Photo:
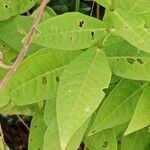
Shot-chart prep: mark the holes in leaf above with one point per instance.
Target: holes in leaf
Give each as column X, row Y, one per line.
column 44, row 80
column 130, row 60
column 140, row 61
column 57, row 79
column 6, row 6
column 92, row 35
column 13, row 59
column 81, row 24
column 105, row 90
column 105, row 144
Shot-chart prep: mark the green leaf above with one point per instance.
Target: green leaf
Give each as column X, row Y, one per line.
column 132, row 29
column 118, row 107
column 14, row 30
column 8, row 56
column 141, row 115
column 80, row 91
column 37, row 131
column 51, row 138
column 126, row 60
column 136, row 141
column 102, row 141
column 11, row 8
column 70, row 31
column 129, row 6
column 37, row 77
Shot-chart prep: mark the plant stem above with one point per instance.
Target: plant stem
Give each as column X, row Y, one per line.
column 26, row 45
column 77, row 7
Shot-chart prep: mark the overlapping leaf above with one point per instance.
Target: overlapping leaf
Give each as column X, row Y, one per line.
column 11, row 8
column 37, row 78
column 132, row 29
column 125, row 18
column 70, row 31
column 118, row 107
column 80, row 91
column 37, row 131
column 51, row 138
column 141, row 115
column 126, row 60
column 136, row 141
column 102, row 141
column 8, row 56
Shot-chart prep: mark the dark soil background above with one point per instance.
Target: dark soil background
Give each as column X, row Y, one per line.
column 14, row 130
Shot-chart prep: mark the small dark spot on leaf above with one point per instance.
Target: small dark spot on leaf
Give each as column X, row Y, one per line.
column 6, row 6
column 30, row 139
column 92, row 35
column 52, row 119
column 130, row 60
column 140, row 61
column 44, row 80
column 35, row 126
column 57, row 78
column 81, row 23
column 111, row 9
column 105, row 90
column 93, row 131
column 119, row 142
column 13, row 59
column 105, row 144
column 38, row 149
column 3, row 46
column 117, row 59
column 126, row 27
column 71, row 38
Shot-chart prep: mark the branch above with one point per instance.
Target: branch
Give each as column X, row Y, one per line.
column 26, row 45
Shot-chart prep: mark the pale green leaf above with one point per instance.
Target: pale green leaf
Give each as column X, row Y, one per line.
column 105, row 140
column 8, row 56
column 136, row 7
column 136, row 141
column 37, row 77
column 118, row 107
column 51, row 138
column 141, row 115
column 126, row 60
column 80, row 91
column 37, row 132
column 70, row 31
column 14, row 30
column 132, row 29
column 11, row 8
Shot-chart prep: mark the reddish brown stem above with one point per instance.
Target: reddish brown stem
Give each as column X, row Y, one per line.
column 26, row 45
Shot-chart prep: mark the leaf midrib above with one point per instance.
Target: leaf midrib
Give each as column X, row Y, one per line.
column 98, row 126
column 47, row 72
column 84, row 83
